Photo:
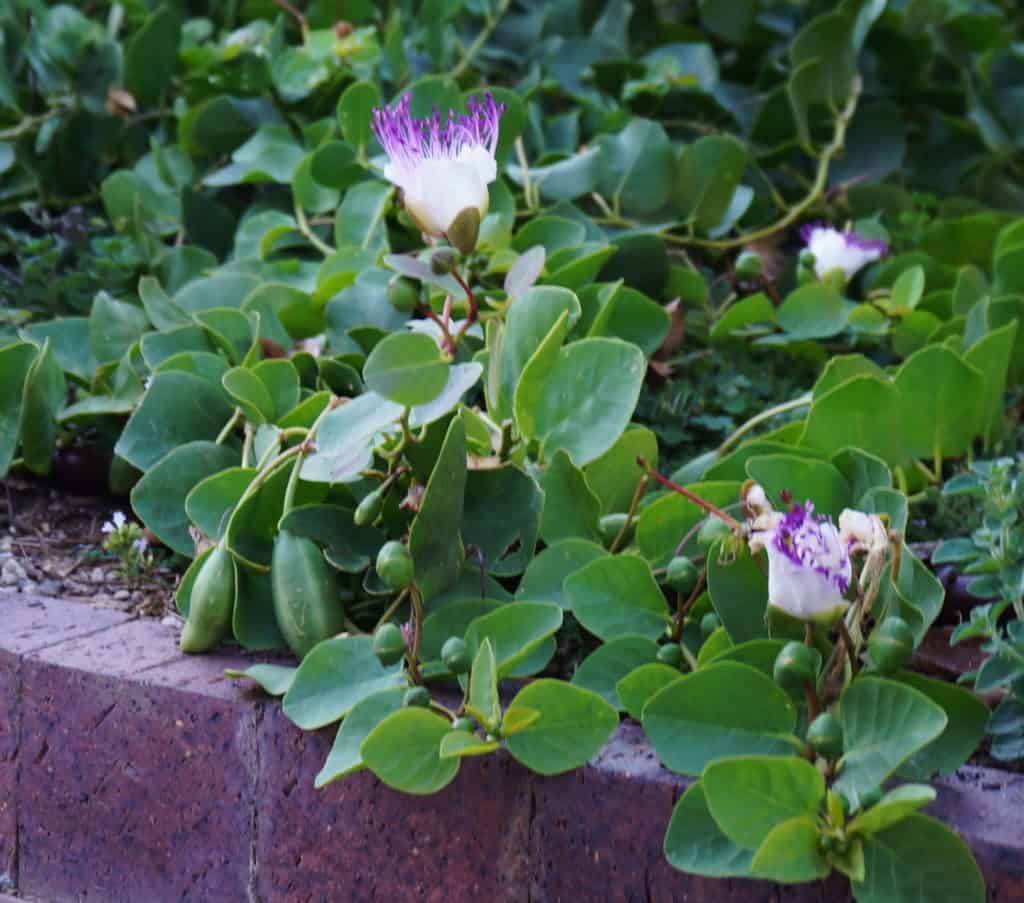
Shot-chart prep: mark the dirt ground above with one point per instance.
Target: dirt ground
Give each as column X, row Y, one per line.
column 51, row 543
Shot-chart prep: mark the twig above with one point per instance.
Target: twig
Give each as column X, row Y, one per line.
column 691, row 496
column 478, row 42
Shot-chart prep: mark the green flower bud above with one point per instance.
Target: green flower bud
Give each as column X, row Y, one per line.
column 682, row 575
column 796, row 666
column 455, row 655
column 825, row 736
column 714, row 528
column 749, row 265
column 442, row 262
column 416, row 696
column 709, row 624
column 404, row 294
column 670, row 654
column 465, row 229
column 464, row 724
column 368, row 510
column 890, row 645
column 610, row 526
column 388, row 643
column 394, row 565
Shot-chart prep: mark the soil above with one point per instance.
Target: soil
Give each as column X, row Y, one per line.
column 51, row 543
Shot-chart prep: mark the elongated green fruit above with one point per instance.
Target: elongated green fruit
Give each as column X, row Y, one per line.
column 305, row 590
column 211, row 604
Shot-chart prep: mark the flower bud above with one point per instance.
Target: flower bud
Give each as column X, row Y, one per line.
column 611, row 525
column 465, row 228
column 712, row 529
column 388, row 643
column 796, row 666
column 455, row 655
column 825, row 736
column 394, row 565
column 464, row 724
column 403, row 293
column 670, row 654
column 890, row 645
column 749, row 265
column 368, row 510
column 682, row 575
column 442, row 262
column 709, row 624
column 416, row 696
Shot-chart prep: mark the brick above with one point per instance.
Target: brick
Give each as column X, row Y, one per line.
column 34, row 622
column 10, row 728
column 358, row 840
column 131, row 790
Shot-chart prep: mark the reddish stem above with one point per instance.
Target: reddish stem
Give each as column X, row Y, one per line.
column 693, row 497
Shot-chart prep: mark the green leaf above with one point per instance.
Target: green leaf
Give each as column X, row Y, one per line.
column 813, row 311
column 616, row 596
column 664, row 523
column 514, row 631
column 404, row 751
column 345, row 757
column 991, row 356
column 336, row 675
column 884, row 723
column 919, row 859
column 613, row 477
column 573, row 726
column 636, row 167
column 939, row 408
column 790, row 853
column 275, row 679
column 114, row 326
column 641, row 684
column 407, row 368
column 744, row 312
column 967, row 717
column 249, row 393
column 253, row 621
column 211, row 500
column 359, row 221
column 588, row 398
column 44, row 396
column 346, row 438
column 177, row 408
column 805, row 480
column 151, row 55
column 696, row 844
column 501, row 518
column 355, row 112
column 739, row 592
column 545, row 576
column 69, row 338
column 517, row 719
column 896, row 805
column 483, row 701
column 350, row 548
column 528, row 322
column 726, row 709
column 159, row 497
column 750, row 795
column 707, row 175
column 457, row 744
column 632, row 316
column 570, row 507
column 434, row 541
column 602, row 670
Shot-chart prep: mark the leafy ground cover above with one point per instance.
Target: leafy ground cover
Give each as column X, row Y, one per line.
column 441, row 339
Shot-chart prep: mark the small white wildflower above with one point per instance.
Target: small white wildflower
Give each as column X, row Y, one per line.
column 844, row 251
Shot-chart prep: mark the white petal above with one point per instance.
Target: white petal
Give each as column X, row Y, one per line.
column 441, row 190
column 800, row 591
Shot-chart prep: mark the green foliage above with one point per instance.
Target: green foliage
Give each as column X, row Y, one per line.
column 207, row 274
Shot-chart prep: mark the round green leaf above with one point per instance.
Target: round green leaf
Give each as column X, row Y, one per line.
column 616, row 596
column 404, row 751
column 406, row 368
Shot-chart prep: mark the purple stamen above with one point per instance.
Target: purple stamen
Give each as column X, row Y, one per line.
column 851, row 238
column 800, row 538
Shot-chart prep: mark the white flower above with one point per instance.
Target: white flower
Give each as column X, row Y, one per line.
column 119, row 521
column 140, row 545
column 809, row 566
column 844, row 251
column 444, row 167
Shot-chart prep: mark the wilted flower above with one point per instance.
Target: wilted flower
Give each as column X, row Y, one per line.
column 118, row 521
column 844, row 251
column 809, row 566
column 443, row 166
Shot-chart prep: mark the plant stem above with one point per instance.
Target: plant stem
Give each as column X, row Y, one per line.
column 391, row 609
column 691, row 496
column 229, row 427
column 801, row 402
column 638, row 494
column 297, row 16
column 525, row 167
column 413, row 656
column 490, row 23
column 307, row 232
